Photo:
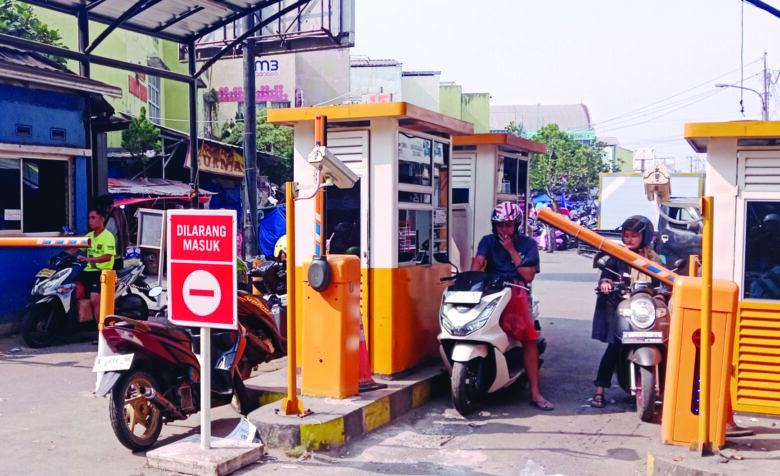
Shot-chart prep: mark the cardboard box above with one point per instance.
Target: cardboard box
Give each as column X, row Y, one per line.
column 84, row 307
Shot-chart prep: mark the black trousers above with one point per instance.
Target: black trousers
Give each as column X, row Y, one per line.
column 607, row 366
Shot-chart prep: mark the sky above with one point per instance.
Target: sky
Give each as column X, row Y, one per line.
column 643, row 68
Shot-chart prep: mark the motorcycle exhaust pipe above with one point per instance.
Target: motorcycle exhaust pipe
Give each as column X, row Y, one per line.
column 162, row 403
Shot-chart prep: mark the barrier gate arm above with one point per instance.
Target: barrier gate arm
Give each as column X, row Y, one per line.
column 608, row 246
column 53, row 242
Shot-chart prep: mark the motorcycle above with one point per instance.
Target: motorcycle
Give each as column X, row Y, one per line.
column 272, row 285
column 480, row 357
column 58, row 302
column 643, row 328
column 153, row 374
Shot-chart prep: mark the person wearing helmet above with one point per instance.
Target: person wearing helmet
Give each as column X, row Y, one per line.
column 637, row 234
column 507, row 252
column 280, row 249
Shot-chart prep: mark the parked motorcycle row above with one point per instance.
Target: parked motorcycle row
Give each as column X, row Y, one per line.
column 580, row 213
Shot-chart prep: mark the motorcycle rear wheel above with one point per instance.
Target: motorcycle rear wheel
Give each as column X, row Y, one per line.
column 130, row 411
column 132, row 306
column 42, row 324
column 465, row 386
column 645, row 393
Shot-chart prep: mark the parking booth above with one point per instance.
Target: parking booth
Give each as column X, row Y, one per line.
column 743, row 176
column 496, row 165
column 396, row 218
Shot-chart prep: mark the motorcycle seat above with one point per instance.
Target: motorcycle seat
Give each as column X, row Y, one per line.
column 174, row 332
column 120, row 273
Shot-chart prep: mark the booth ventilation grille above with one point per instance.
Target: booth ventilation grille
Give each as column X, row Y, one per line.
column 762, row 174
column 757, row 358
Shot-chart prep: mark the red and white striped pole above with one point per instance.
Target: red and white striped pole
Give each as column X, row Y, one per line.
column 53, row 242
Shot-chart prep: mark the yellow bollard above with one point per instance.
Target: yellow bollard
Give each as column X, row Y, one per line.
column 705, row 442
column 290, row 404
column 107, row 288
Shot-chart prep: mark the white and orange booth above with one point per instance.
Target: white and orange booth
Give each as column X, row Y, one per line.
column 486, row 169
column 396, row 218
column 743, row 176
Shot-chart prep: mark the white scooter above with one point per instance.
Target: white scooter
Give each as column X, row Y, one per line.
column 478, row 354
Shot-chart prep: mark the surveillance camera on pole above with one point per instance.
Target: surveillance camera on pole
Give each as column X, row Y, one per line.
column 332, row 170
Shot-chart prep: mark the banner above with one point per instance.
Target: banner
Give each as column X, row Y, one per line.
column 218, row 160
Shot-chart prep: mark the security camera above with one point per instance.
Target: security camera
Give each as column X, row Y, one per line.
column 657, row 183
column 333, row 170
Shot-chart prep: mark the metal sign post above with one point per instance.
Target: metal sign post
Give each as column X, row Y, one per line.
column 202, row 285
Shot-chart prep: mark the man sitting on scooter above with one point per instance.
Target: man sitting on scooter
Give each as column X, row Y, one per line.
column 100, row 256
column 507, row 252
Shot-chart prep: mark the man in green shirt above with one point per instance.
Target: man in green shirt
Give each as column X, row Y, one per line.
column 100, row 256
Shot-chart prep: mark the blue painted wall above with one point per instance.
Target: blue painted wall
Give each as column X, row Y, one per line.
column 41, row 111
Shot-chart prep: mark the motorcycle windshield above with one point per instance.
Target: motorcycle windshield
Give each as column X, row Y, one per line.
column 473, row 281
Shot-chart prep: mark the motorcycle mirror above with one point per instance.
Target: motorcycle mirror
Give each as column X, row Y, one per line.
column 600, row 260
column 155, row 291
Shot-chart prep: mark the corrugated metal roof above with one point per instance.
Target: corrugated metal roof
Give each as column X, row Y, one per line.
column 27, row 67
column 150, row 187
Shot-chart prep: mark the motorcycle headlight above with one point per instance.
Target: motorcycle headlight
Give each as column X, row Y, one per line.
column 642, row 312
column 51, row 284
column 473, row 325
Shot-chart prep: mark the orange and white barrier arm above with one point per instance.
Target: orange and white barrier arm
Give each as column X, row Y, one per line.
column 608, row 246
column 79, row 241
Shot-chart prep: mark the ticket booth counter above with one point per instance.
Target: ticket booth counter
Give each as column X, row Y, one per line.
column 486, row 169
column 396, row 218
column 743, row 176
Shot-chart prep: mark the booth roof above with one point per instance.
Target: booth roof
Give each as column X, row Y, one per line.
column 408, row 115
column 508, row 142
column 698, row 134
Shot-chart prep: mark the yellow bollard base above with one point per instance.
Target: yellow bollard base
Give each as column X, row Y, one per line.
column 291, row 406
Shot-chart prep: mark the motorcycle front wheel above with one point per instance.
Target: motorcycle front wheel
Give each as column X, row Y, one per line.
column 135, row 420
column 645, row 392
column 42, row 324
column 465, row 386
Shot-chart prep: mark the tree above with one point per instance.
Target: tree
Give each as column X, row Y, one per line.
column 18, row 19
column 270, row 138
column 580, row 163
column 141, row 136
column 516, row 129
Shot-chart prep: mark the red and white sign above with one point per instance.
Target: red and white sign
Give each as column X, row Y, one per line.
column 202, row 268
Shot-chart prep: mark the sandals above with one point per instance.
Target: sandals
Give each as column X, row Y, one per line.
column 598, row 401
column 543, row 405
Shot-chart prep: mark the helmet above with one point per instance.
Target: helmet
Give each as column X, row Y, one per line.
column 640, row 224
column 280, row 247
column 771, row 221
column 506, row 212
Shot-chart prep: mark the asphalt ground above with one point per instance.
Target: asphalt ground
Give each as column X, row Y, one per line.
column 51, row 423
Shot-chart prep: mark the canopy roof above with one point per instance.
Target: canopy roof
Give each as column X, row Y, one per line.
column 175, row 20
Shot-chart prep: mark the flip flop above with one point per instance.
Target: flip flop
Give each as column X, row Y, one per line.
column 543, row 405
column 598, row 401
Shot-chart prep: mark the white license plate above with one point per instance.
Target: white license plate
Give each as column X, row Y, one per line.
column 643, row 337
column 112, row 363
column 463, row 297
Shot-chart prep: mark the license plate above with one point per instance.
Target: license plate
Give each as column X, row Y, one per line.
column 463, row 297
column 112, row 363
column 643, row 337
column 46, row 273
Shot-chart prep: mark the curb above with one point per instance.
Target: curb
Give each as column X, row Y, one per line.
column 334, row 422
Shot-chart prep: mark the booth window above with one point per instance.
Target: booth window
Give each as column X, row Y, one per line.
column 509, row 179
column 423, row 199
column 414, row 160
column 34, row 195
column 762, row 250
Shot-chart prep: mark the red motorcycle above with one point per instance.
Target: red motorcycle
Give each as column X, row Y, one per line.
column 153, row 374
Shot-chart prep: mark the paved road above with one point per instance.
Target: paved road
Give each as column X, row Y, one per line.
column 50, row 423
